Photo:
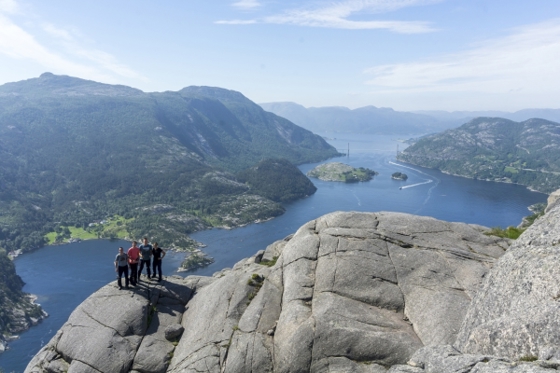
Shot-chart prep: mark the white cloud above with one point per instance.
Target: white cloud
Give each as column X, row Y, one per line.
column 312, row 19
column 71, row 46
column 63, row 53
column 57, row 32
column 339, row 15
column 237, row 22
column 17, row 43
column 8, row 7
column 108, row 62
column 526, row 61
column 247, row 4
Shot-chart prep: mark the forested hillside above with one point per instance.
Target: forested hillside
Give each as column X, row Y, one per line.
column 278, row 180
column 17, row 312
column 75, row 152
column 527, row 153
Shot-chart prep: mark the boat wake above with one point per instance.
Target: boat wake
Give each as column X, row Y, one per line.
column 417, row 184
column 357, row 198
column 428, row 181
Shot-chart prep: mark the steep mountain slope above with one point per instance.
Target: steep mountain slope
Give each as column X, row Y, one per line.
column 75, row 151
column 498, row 149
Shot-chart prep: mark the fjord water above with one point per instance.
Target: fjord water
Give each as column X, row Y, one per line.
column 63, row 276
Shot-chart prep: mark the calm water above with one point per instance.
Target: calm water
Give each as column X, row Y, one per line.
column 63, row 276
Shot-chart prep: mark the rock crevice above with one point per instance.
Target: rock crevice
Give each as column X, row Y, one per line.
column 349, row 292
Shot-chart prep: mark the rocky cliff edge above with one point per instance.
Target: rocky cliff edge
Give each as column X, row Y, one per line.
column 348, row 292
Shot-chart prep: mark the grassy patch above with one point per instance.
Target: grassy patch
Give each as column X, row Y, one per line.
column 511, row 170
column 531, row 218
column 269, row 263
column 257, row 282
column 528, row 358
column 51, row 238
column 510, row 232
column 152, row 311
column 114, row 227
column 81, row 233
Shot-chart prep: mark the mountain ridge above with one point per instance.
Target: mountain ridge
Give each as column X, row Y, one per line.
column 75, row 153
column 371, row 119
column 68, row 146
column 497, row 149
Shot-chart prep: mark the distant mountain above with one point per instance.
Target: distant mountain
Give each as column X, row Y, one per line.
column 460, row 117
column 367, row 119
column 498, row 149
column 387, row 121
column 73, row 151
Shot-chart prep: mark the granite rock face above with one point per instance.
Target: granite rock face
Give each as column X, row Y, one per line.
column 517, row 312
column 117, row 331
column 513, row 322
column 349, row 292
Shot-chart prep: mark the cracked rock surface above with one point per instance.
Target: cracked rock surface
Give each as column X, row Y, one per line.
column 517, row 312
column 349, row 292
column 117, row 331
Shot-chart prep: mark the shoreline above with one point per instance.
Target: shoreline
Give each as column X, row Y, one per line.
column 472, row 178
column 205, row 259
column 196, row 245
column 30, row 322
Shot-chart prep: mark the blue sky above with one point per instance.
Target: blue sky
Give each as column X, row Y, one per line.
column 404, row 54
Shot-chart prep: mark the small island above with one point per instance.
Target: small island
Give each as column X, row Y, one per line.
column 399, row 176
column 336, row 171
column 196, row 259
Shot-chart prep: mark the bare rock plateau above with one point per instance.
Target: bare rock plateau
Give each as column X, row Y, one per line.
column 348, row 292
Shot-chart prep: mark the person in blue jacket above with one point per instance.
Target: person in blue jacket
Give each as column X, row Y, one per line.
column 146, row 251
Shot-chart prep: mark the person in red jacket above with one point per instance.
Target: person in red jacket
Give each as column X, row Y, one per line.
column 133, row 257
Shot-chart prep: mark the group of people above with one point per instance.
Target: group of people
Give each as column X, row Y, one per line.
column 126, row 263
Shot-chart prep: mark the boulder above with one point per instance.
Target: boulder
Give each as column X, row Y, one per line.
column 516, row 312
column 349, row 292
column 117, row 330
column 173, row 332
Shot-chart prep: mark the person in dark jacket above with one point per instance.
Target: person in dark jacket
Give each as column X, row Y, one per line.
column 158, row 254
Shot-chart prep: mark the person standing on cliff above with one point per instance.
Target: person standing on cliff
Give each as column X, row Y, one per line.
column 121, row 267
column 159, row 254
column 133, row 257
column 146, row 251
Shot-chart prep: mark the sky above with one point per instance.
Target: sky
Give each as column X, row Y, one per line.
column 404, row 54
